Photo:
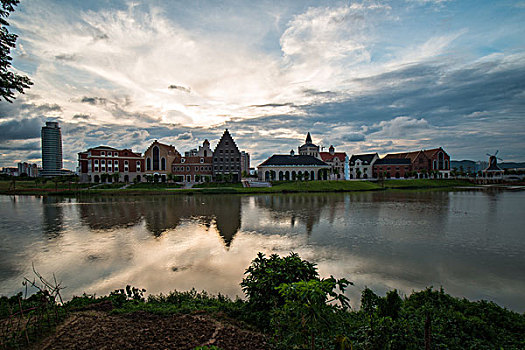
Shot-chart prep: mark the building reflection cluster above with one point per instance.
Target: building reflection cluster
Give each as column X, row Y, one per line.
column 162, row 213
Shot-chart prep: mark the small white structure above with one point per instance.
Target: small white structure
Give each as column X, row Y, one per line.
column 361, row 165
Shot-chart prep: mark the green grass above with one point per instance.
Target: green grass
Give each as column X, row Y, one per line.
column 425, row 183
column 29, row 187
column 218, row 185
column 153, row 186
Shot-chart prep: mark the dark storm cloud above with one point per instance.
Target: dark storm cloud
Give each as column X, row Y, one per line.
column 353, row 137
column 289, row 104
column 94, row 100
column 19, row 146
column 65, row 57
column 81, row 117
column 180, row 88
column 185, row 136
column 22, row 108
column 20, row 129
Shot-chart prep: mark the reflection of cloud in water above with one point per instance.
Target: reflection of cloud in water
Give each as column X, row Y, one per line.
column 403, row 240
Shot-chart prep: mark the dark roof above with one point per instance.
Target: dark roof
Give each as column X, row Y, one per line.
column 362, row 157
column 393, row 161
column 493, row 165
column 286, row 159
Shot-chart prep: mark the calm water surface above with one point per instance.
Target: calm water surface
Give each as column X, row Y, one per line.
column 471, row 243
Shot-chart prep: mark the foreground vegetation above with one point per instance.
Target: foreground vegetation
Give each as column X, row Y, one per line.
column 296, row 309
column 67, row 187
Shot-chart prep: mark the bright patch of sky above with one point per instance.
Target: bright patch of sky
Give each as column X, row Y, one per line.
column 365, row 76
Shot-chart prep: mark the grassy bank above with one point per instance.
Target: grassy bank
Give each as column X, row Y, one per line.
column 28, row 187
column 287, row 304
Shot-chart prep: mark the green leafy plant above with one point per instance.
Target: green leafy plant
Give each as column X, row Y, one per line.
column 310, row 315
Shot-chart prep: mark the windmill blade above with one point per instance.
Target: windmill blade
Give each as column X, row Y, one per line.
column 501, row 160
column 490, row 155
column 495, row 154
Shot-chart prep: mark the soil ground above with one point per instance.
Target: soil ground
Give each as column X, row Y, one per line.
column 141, row 330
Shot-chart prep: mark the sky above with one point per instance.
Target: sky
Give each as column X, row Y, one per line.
column 363, row 76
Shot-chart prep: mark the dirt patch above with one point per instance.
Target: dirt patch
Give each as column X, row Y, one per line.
column 141, row 330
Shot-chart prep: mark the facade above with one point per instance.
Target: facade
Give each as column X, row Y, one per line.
column 104, row 163
column 392, row 168
column 195, row 166
column 30, row 170
column 226, row 160
column 284, row 167
column 425, row 162
column 336, row 160
column 159, row 159
column 245, row 163
column 51, row 150
column 309, row 148
column 361, row 165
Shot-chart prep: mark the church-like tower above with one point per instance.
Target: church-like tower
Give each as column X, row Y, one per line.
column 309, row 148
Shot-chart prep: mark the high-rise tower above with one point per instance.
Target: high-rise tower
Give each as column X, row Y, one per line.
column 51, row 150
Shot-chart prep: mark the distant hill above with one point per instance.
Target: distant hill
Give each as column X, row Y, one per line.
column 470, row 165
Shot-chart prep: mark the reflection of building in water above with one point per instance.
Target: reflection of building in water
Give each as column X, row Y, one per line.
column 53, row 216
column 162, row 213
column 105, row 213
column 302, row 208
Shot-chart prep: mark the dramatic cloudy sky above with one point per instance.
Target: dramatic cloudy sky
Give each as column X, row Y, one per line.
column 365, row 76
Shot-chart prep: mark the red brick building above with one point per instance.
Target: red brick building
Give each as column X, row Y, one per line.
column 395, row 168
column 103, row 163
column 336, row 160
column 193, row 169
column 426, row 162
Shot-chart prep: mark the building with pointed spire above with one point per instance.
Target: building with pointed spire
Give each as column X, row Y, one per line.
column 226, row 159
column 309, row 148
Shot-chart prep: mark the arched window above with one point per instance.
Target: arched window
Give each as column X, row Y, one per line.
column 148, row 164
column 312, row 175
column 156, row 156
column 163, row 164
column 205, row 153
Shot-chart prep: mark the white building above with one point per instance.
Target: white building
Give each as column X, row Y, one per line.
column 360, row 165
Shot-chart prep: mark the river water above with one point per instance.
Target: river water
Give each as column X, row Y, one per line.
column 470, row 243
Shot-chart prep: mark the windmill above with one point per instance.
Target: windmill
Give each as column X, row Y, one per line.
column 493, row 160
column 493, row 170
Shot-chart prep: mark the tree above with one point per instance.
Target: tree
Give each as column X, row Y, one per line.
column 9, row 81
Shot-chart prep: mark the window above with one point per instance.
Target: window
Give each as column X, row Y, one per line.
column 226, row 142
column 126, row 165
column 156, row 158
column 148, row 164
column 103, row 153
column 196, row 169
column 115, row 163
column 96, row 161
column 222, row 159
column 187, row 168
column 115, row 154
column 202, row 160
column 183, row 160
column 163, row 164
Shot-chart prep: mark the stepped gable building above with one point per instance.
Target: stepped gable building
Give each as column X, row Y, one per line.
column 108, row 160
column 392, row 168
column 336, row 160
column 361, row 165
column 159, row 159
column 195, row 166
column 426, row 161
column 226, row 159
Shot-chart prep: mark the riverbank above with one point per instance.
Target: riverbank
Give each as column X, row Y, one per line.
column 288, row 306
column 29, row 188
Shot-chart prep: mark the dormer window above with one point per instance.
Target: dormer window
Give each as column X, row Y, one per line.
column 183, row 160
